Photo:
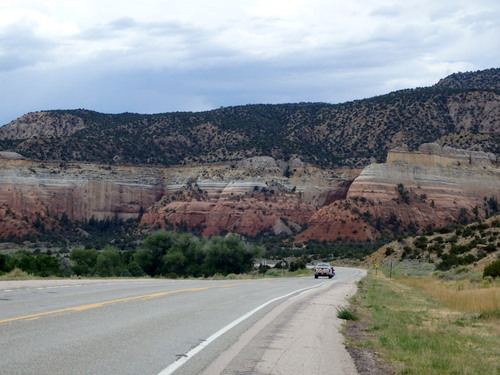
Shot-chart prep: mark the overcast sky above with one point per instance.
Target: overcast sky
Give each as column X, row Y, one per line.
column 155, row 56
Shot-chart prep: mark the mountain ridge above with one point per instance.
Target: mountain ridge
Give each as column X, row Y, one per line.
column 351, row 134
column 357, row 171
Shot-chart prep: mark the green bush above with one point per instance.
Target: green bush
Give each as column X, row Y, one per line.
column 343, row 313
column 42, row 265
column 490, row 248
column 84, row 261
column 263, row 268
column 421, row 242
column 109, row 263
column 389, row 251
column 300, row 263
column 492, row 269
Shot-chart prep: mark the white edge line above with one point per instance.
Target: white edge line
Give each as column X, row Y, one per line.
column 179, row 362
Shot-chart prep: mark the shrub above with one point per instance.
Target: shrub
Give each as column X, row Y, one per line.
column 490, row 248
column 343, row 313
column 84, row 261
column 436, row 247
column 263, row 268
column 407, row 251
column 439, row 239
column 300, row 263
column 493, row 269
column 421, row 242
column 17, row 274
column 403, row 193
column 444, row 230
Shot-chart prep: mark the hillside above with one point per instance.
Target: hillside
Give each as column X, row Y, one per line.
column 475, row 245
column 483, row 79
column 363, row 171
column 460, row 111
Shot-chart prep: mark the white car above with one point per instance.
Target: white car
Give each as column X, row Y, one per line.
column 323, row 269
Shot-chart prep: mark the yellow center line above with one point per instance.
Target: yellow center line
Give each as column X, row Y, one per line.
column 100, row 304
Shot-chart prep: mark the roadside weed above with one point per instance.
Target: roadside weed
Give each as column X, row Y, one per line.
column 419, row 330
column 343, row 313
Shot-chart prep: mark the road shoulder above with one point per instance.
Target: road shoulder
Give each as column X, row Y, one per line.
column 300, row 336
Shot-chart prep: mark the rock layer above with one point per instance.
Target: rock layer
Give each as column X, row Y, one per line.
column 249, row 197
column 432, row 187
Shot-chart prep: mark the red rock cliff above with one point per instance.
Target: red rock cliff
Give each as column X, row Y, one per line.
column 433, row 187
column 250, row 196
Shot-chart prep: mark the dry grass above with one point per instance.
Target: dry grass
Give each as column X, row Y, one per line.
column 17, row 274
column 430, row 326
column 462, row 296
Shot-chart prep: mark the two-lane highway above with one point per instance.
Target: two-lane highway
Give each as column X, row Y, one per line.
column 143, row 326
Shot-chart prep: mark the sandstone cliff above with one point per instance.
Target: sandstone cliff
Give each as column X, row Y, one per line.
column 250, row 196
column 43, row 193
column 432, row 187
column 413, row 191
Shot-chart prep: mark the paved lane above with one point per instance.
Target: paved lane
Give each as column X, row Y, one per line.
column 131, row 326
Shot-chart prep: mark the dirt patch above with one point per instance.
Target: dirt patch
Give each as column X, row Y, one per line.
column 367, row 361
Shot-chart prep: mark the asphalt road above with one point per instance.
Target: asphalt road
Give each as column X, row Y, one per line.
column 172, row 326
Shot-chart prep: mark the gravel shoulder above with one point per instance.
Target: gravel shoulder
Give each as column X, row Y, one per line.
column 357, row 334
column 300, row 336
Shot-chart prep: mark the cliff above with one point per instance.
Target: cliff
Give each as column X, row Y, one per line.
column 43, row 193
column 312, row 170
column 413, row 191
column 251, row 196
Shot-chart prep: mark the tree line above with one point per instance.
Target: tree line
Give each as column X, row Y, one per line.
column 163, row 253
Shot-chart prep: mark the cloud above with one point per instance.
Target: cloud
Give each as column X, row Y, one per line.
column 157, row 56
column 20, row 47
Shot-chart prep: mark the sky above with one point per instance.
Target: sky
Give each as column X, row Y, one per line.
column 156, row 56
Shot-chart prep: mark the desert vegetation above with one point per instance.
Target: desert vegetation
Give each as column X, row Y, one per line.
column 350, row 134
column 431, row 303
column 421, row 323
column 448, row 248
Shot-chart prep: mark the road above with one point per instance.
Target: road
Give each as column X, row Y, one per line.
column 150, row 326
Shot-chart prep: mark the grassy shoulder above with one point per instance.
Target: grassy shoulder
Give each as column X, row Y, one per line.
column 424, row 325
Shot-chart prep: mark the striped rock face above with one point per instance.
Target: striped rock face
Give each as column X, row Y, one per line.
column 430, row 188
column 250, row 196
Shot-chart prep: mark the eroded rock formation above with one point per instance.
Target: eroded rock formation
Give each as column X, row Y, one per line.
column 433, row 187
column 251, row 196
column 43, row 193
